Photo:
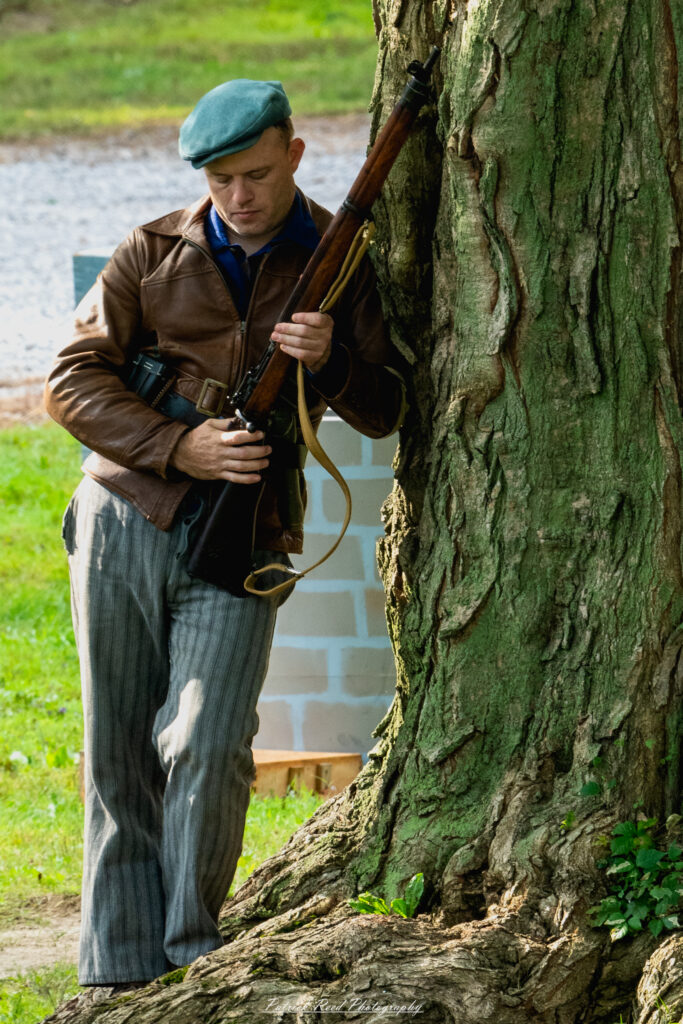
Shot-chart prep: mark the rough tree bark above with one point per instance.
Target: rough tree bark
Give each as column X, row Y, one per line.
column 530, row 256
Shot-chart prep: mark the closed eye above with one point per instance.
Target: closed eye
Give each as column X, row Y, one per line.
column 256, row 175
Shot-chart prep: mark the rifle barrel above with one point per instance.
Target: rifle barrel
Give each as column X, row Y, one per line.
column 253, row 400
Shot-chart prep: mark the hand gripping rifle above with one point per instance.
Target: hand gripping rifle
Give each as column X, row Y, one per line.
column 222, row 554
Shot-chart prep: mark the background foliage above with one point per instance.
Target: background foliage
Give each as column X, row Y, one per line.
column 70, row 66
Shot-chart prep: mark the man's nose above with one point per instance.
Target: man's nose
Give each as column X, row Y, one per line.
column 242, row 193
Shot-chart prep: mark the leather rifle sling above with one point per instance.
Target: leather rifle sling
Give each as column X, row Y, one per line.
column 353, row 257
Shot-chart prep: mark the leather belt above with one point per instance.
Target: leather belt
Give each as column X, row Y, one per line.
column 177, row 407
column 153, row 380
column 286, row 454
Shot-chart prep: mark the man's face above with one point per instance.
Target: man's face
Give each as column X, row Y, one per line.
column 253, row 190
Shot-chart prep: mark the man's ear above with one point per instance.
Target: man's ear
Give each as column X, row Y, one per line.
column 296, row 151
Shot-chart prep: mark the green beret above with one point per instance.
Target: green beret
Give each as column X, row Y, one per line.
column 231, row 117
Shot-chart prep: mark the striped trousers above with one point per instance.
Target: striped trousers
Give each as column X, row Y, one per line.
column 171, row 670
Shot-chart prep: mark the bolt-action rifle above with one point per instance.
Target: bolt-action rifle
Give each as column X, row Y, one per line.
column 222, row 554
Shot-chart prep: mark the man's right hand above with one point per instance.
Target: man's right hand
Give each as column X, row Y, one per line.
column 210, row 452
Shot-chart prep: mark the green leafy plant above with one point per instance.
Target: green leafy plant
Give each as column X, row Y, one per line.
column 405, row 906
column 568, row 821
column 647, row 883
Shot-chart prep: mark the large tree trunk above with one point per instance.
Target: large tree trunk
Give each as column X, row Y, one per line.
column 530, row 255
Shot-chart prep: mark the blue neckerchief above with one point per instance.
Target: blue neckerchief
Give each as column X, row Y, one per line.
column 238, row 268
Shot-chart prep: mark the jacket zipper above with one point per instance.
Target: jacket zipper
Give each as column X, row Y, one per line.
column 242, row 355
column 243, row 361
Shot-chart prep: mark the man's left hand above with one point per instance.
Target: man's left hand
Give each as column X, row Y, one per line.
column 308, row 338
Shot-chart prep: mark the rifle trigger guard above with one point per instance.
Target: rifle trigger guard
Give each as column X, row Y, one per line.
column 251, row 427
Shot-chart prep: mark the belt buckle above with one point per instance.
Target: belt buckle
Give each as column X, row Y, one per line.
column 201, row 408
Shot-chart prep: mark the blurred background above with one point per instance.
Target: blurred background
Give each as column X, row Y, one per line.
column 92, row 95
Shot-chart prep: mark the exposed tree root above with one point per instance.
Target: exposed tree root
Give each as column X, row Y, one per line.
column 662, row 983
column 371, row 969
column 308, row 890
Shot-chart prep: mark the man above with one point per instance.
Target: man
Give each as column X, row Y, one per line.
column 172, row 667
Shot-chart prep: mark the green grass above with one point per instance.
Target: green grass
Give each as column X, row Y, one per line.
column 41, row 813
column 67, row 66
column 40, row 842
column 39, row 681
column 665, row 1014
column 29, row 997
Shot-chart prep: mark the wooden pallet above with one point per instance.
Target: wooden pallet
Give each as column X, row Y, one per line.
column 278, row 771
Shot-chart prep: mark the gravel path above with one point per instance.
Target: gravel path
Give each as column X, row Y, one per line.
column 67, row 196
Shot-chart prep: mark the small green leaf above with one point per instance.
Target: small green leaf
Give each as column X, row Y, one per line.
column 664, row 906
column 639, row 910
column 649, row 744
column 671, row 921
column 591, row 788
column 611, row 903
column 414, row 891
column 619, row 933
column 369, row 904
column 648, row 858
column 656, row 926
column 674, row 852
column 635, row 924
column 619, row 867
column 621, row 845
column 624, row 828
column 399, row 906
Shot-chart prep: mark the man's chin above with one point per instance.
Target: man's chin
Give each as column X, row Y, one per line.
column 247, row 226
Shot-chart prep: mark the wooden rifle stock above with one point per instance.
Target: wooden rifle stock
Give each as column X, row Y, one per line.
column 222, row 554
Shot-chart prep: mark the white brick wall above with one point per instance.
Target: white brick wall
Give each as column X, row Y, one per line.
column 331, row 675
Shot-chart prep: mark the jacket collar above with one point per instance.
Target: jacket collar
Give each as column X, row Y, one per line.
column 189, row 223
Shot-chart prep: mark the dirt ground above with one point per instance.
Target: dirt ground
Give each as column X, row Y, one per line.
column 22, row 402
column 43, row 934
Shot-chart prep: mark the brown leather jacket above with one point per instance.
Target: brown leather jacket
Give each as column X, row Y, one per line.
column 162, row 293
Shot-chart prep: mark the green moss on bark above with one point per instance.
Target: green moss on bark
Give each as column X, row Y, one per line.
column 533, row 557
